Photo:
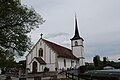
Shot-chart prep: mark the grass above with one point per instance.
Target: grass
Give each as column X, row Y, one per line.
column 70, row 79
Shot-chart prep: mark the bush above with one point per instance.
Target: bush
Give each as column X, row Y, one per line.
column 46, row 69
column 90, row 67
column 8, row 78
column 56, row 69
column 82, row 69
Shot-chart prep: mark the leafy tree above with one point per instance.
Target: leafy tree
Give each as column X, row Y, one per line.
column 116, row 65
column 105, row 61
column 21, row 64
column 97, row 62
column 16, row 21
column 89, row 66
column 6, row 61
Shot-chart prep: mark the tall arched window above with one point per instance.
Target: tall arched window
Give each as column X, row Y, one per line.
column 76, row 43
column 40, row 52
column 64, row 63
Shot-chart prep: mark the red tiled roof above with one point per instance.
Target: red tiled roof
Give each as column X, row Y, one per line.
column 40, row 60
column 61, row 51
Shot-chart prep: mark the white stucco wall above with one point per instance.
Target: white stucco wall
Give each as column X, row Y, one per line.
column 48, row 57
column 78, row 51
column 47, row 54
column 28, row 60
column 60, row 63
column 52, row 56
column 81, row 62
column 68, row 63
column 41, row 68
column 51, row 67
column 34, row 52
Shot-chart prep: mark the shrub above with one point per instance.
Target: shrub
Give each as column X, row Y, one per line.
column 82, row 69
column 46, row 69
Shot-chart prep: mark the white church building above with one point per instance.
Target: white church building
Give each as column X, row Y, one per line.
column 53, row 56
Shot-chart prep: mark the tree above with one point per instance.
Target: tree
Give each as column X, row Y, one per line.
column 105, row 61
column 97, row 62
column 21, row 64
column 16, row 21
column 6, row 61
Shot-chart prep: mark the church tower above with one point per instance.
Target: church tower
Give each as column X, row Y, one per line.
column 77, row 46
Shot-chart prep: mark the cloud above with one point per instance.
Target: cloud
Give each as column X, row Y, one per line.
column 114, row 57
column 98, row 21
column 66, row 43
column 54, row 35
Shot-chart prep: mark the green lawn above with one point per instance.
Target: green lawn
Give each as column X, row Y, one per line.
column 71, row 79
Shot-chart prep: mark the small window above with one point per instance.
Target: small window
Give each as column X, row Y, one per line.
column 40, row 52
column 76, row 43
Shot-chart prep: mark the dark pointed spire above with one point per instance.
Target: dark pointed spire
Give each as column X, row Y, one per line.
column 76, row 28
column 76, row 36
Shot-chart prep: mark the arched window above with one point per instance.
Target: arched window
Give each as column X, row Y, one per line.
column 76, row 43
column 40, row 52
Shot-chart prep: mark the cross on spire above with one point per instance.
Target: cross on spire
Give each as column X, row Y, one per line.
column 41, row 35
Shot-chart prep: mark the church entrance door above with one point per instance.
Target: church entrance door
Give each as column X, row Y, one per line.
column 34, row 67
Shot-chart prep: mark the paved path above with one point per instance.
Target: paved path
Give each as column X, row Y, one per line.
column 3, row 77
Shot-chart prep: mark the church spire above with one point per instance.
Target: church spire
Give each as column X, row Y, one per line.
column 76, row 36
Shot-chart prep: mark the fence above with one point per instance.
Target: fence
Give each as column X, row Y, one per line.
column 90, row 77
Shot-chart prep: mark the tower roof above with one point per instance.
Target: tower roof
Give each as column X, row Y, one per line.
column 76, row 36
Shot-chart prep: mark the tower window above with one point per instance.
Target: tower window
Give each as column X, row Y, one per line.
column 76, row 43
column 40, row 52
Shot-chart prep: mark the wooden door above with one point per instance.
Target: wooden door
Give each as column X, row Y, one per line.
column 34, row 67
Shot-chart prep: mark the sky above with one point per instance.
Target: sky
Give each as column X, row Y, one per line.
column 98, row 23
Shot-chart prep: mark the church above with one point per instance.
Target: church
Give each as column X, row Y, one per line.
column 53, row 56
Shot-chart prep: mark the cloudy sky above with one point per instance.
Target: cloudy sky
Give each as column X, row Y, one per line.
column 98, row 21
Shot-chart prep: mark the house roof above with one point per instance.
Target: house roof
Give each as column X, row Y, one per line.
column 61, row 51
column 40, row 60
